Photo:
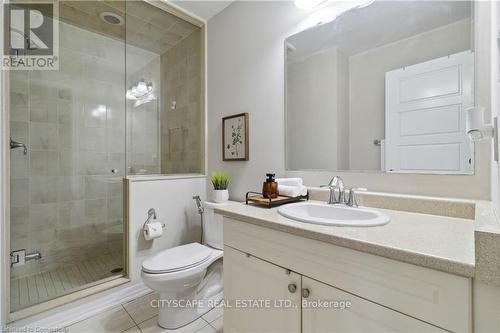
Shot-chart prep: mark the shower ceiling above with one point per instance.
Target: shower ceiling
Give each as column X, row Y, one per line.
column 147, row 28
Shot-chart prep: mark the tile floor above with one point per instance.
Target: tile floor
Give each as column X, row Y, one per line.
column 40, row 287
column 138, row 316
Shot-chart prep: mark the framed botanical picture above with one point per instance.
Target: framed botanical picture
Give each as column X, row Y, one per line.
column 235, row 137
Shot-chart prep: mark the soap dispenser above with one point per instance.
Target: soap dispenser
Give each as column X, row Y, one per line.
column 270, row 187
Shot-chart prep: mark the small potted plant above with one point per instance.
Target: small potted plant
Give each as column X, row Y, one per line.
column 220, row 181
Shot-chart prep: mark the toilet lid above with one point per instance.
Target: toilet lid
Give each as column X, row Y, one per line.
column 177, row 258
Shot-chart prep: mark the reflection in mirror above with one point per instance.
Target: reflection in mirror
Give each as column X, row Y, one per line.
column 383, row 88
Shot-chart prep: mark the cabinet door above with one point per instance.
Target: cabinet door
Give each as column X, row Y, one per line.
column 260, row 296
column 361, row 316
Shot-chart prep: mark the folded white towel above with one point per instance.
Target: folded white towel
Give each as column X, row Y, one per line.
column 292, row 191
column 290, row 181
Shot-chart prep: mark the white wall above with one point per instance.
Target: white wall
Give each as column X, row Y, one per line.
column 312, row 95
column 172, row 198
column 343, row 143
column 245, row 74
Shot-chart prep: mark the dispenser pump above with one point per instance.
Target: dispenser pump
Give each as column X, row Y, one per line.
column 270, row 187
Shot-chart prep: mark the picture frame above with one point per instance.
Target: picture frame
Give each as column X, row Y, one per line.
column 235, row 137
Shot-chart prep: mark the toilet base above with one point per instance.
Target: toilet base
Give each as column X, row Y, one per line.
column 181, row 308
column 175, row 314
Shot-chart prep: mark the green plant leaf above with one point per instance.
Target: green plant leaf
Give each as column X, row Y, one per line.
column 220, row 180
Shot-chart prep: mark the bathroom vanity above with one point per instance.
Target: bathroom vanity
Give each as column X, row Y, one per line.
column 411, row 275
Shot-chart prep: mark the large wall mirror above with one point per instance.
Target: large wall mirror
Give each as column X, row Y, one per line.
column 383, row 88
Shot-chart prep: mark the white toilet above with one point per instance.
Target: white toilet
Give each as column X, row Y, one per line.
column 188, row 277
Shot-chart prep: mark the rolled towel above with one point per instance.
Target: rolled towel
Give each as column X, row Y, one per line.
column 290, row 181
column 292, row 191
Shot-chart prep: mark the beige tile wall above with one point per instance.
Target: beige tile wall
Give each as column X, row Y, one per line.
column 181, row 128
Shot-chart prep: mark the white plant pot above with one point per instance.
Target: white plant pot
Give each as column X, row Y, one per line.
column 221, row 196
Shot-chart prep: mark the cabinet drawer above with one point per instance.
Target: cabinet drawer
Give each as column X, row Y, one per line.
column 436, row 297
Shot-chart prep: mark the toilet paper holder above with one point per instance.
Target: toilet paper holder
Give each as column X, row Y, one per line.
column 151, row 216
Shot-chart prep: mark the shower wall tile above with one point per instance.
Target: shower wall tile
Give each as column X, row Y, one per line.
column 68, row 161
column 19, row 164
column 43, row 189
column 19, row 221
column 19, row 192
column 114, row 189
column 19, row 132
column 44, row 163
column 65, row 112
column 93, row 138
column 115, row 138
column 116, row 161
column 19, row 102
column 43, row 136
column 70, row 188
column 66, row 137
column 43, row 110
column 92, row 163
column 96, row 208
column 95, row 188
column 19, row 113
column 71, row 215
column 18, row 81
column 115, row 209
column 42, row 217
column 182, row 129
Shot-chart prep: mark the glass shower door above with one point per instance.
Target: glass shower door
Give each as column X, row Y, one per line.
column 68, row 159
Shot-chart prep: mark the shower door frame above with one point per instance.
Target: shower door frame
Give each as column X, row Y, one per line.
column 4, row 187
column 6, row 316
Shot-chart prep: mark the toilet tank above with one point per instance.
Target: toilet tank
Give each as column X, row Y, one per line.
column 212, row 225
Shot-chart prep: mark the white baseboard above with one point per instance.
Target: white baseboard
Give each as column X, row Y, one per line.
column 79, row 310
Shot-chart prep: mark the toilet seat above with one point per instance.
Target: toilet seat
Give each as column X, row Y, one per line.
column 177, row 259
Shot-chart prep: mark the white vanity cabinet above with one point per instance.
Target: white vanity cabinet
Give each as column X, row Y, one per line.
column 263, row 297
column 249, row 279
column 385, row 295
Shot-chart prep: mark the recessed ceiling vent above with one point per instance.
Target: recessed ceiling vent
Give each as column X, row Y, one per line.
column 111, row 18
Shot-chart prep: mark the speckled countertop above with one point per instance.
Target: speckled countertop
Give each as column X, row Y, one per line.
column 438, row 242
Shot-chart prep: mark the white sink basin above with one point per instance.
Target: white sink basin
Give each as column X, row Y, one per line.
column 335, row 215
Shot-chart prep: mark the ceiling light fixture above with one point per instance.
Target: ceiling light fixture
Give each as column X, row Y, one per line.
column 308, row 4
column 141, row 93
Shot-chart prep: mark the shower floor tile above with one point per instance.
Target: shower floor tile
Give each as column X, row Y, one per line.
column 40, row 287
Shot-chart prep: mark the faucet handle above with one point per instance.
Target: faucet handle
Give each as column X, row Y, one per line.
column 351, row 200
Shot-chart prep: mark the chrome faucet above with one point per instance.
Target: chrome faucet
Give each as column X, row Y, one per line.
column 15, row 144
column 351, row 199
column 336, row 183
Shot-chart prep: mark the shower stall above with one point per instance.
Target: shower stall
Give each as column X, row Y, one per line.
column 127, row 99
